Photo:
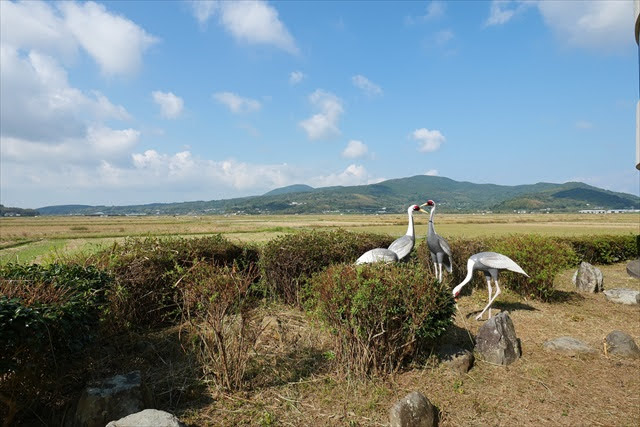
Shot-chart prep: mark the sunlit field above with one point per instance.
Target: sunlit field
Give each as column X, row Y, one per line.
column 42, row 238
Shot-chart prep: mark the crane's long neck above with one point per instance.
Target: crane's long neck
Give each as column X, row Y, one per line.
column 410, row 229
column 431, row 229
column 470, row 265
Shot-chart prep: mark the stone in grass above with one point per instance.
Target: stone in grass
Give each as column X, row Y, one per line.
column 623, row 296
column 455, row 358
column 497, row 342
column 413, row 410
column 622, row 344
column 568, row 345
column 588, row 278
column 633, row 268
column 148, row 417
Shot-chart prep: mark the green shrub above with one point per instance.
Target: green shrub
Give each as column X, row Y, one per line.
column 148, row 270
column 540, row 257
column 47, row 315
column 381, row 315
column 287, row 262
column 605, row 249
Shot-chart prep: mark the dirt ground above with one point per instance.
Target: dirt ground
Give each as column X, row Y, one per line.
column 299, row 388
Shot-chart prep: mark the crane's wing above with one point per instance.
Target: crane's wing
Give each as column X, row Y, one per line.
column 499, row 261
column 377, row 255
column 402, row 246
column 445, row 246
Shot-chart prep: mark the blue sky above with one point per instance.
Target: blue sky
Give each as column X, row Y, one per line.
column 138, row 102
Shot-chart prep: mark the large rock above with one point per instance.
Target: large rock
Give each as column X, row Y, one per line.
column 623, row 296
column 456, row 358
column 633, row 268
column 113, row 399
column 622, row 344
column 413, row 410
column 497, row 342
column 148, row 417
column 589, row 278
column 569, row 345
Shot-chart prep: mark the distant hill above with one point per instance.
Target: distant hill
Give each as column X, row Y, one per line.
column 392, row 196
column 9, row 211
column 296, row 188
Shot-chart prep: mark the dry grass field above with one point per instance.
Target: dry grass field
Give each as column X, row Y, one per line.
column 34, row 239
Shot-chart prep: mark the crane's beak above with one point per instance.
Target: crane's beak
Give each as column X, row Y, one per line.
column 424, row 204
column 422, row 210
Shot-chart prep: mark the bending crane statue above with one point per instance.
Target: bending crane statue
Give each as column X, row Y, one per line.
column 490, row 263
column 400, row 248
column 438, row 246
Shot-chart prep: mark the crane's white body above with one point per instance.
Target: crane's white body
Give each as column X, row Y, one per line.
column 438, row 246
column 490, row 263
column 378, row 255
column 402, row 246
column 399, row 249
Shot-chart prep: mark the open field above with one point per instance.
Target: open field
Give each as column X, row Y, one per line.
column 28, row 239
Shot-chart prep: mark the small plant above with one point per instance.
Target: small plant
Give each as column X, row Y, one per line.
column 380, row 315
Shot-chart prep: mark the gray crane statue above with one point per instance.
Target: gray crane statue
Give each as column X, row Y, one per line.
column 438, row 246
column 490, row 263
column 400, row 248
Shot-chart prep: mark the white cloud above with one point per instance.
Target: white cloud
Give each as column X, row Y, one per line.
column 355, row 149
column 443, row 37
column 600, row 25
column 108, row 141
column 435, row 10
column 368, row 87
column 429, row 140
column 236, row 103
column 38, row 104
column 584, row 124
column 296, row 77
column 352, row 175
column 432, row 172
column 170, row 105
column 325, row 123
column 114, row 42
column 250, row 21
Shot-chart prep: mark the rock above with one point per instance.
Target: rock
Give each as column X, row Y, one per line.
column 623, row 296
column 496, row 341
column 622, row 344
column 148, row 417
column 589, row 278
column 568, row 345
column 633, row 268
column 114, row 398
column 456, row 358
column 413, row 410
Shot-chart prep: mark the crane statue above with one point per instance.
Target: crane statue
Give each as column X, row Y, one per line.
column 490, row 263
column 438, row 246
column 400, row 248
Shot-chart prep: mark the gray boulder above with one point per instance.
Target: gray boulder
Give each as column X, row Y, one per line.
column 589, row 278
column 413, row 410
column 456, row 358
column 497, row 342
column 148, row 417
column 623, row 296
column 114, row 398
column 633, row 268
column 620, row 343
column 568, row 345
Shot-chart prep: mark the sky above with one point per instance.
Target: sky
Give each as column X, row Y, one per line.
column 134, row 102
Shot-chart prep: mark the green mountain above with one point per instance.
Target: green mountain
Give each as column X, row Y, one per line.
column 392, row 196
column 9, row 211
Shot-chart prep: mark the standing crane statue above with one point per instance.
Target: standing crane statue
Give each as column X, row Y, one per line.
column 438, row 246
column 490, row 263
column 400, row 248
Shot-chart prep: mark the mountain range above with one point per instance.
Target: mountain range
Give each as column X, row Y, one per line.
column 391, row 196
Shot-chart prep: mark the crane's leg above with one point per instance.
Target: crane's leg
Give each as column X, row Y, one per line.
column 479, row 316
column 490, row 300
column 435, row 264
column 440, row 273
